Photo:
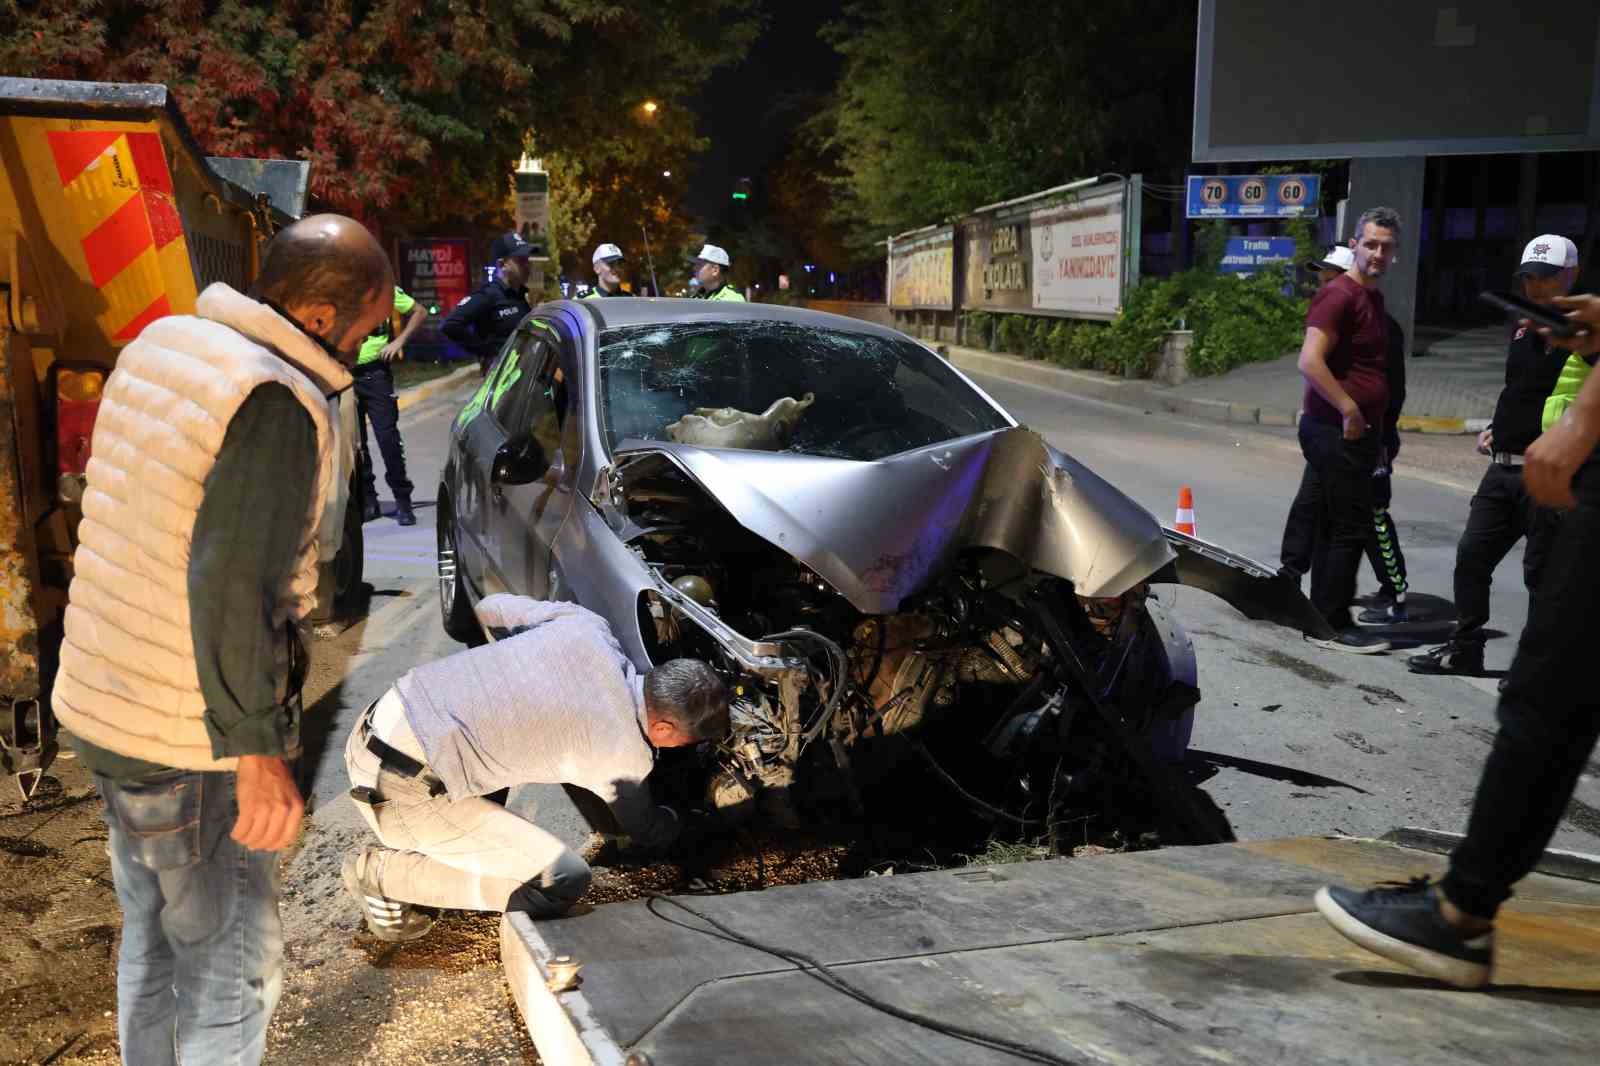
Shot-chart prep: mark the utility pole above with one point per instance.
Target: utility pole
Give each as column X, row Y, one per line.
column 654, row 286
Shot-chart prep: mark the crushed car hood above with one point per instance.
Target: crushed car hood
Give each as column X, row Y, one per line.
column 879, row 531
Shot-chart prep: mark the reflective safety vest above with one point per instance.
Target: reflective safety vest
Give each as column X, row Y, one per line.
column 1573, row 374
column 727, row 292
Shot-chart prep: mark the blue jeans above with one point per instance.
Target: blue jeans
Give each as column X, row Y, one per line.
column 201, row 965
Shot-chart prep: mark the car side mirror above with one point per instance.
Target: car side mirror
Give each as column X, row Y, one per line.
column 520, row 461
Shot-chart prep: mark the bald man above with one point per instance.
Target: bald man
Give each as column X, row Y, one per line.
column 180, row 673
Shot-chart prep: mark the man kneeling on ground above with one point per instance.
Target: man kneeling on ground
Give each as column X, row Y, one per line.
column 555, row 701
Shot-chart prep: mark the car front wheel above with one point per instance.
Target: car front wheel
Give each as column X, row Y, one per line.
column 455, row 609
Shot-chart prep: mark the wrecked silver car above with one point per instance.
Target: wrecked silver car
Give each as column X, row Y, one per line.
column 908, row 593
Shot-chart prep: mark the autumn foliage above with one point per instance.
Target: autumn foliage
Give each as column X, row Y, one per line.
column 405, row 108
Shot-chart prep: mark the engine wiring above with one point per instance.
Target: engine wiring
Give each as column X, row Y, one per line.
column 838, row 676
column 828, row 977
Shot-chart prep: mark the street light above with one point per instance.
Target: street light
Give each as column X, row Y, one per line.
column 666, row 173
column 650, row 107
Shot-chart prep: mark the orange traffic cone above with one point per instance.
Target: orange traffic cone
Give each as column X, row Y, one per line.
column 1184, row 522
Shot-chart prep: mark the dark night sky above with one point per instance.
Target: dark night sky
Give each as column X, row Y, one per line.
column 748, row 109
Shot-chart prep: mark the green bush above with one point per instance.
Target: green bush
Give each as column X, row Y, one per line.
column 1235, row 321
column 976, row 327
column 1245, row 320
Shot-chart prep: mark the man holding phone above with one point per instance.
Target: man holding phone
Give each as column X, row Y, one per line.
column 1344, row 360
column 1501, row 512
column 1549, row 718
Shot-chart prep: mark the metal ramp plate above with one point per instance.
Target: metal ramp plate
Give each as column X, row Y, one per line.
column 1183, row 955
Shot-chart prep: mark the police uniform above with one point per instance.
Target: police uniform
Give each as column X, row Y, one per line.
column 710, row 253
column 482, row 322
column 376, row 402
column 724, row 292
column 606, row 253
column 1501, row 512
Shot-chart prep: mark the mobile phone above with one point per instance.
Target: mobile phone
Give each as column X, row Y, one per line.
column 1512, row 304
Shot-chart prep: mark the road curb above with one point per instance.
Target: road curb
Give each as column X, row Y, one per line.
column 1154, row 400
column 414, row 395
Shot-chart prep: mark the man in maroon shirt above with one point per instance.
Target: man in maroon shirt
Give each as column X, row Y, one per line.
column 1345, row 360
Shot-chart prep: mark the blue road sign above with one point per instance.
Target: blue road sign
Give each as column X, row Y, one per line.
column 1246, row 255
column 1254, row 195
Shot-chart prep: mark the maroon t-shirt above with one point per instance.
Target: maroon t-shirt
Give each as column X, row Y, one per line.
column 1354, row 316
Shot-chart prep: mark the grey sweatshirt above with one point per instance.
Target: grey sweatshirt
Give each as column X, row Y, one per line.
column 554, row 702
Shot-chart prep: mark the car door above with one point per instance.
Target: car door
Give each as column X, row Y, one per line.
column 477, row 443
column 527, row 516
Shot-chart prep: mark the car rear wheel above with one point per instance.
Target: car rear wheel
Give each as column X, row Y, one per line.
column 455, row 609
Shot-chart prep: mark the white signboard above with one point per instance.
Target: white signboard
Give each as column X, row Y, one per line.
column 1078, row 255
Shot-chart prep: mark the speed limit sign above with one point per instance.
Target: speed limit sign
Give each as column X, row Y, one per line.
column 1214, row 193
column 1292, row 192
column 1253, row 192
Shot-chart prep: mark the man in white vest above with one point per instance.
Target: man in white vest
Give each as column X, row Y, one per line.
column 180, row 672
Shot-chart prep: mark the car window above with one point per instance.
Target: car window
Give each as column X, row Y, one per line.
column 545, row 414
column 781, row 386
column 490, row 389
column 511, row 385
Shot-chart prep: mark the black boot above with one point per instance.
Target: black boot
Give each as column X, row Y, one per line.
column 403, row 513
column 370, row 511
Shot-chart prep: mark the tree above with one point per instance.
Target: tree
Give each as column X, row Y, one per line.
column 941, row 108
column 410, row 108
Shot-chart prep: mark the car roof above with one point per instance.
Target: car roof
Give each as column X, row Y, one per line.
column 652, row 311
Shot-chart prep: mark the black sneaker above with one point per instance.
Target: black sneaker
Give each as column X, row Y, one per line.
column 371, row 512
column 1401, row 922
column 1383, row 614
column 403, row 513
column 1448, row 659
column 1352, row 640
column 387, row 919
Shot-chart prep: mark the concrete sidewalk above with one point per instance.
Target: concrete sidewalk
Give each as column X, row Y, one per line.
column 1452, row 383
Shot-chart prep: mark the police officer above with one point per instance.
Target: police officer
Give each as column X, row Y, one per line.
column 1502, row 512
column 607, row 263
column 711, row 272
column 482, row 322
column 376, row 402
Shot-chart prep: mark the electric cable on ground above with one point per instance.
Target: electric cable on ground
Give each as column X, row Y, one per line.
column 822, row 973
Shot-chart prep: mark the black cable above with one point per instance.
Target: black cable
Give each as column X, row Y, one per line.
column 944, row 775
column 822, row 973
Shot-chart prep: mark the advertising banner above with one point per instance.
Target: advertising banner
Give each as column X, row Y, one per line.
column 1254, row 195
column 435, row 273
column 533, row 210
column 999, row 263
column 922, row 270
column 1078, row 255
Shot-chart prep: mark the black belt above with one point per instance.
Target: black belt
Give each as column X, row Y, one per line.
column 396, row 761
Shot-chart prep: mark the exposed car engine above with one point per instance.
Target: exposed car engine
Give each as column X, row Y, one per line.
column 1031, row 706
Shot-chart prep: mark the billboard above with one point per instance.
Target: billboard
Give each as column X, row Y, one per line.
column 533, row 210
column 999, row 263
column 922, row 269
column 1467, row 78
column 435, row 272
column 1078, row 255
column 1060, row 252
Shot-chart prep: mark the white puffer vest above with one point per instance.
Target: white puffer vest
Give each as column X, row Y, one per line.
column 128, row 681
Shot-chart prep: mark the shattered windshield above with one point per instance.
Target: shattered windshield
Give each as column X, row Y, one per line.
column 779, row 386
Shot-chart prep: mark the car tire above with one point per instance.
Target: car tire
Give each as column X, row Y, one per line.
column 455, row 608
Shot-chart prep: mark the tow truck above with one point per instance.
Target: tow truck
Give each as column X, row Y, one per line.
column 111, row 216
